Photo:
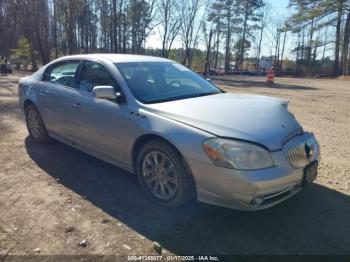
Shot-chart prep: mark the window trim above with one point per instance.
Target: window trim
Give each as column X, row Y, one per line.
column 80, row 68
column 52, row 66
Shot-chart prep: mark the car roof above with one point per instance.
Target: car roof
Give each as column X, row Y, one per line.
column 118, row 58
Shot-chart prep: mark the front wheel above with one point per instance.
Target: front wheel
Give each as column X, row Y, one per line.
column 163, row 175
column 35, row 125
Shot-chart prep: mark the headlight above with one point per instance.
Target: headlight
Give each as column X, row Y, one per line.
column 237, row 154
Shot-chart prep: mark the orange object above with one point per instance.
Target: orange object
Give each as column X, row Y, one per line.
column 270, row 76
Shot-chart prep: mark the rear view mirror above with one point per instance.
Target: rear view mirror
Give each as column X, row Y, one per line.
column 104, row 92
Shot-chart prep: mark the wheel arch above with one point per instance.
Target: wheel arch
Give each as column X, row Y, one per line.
column 142, row 140
column 28, row 102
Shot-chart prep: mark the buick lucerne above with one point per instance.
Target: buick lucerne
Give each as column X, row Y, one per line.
column 183, row 137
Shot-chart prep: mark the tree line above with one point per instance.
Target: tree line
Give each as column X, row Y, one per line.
column 320, row 24
column 220, row 34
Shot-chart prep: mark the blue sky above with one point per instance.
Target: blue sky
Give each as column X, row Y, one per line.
column 279, row 5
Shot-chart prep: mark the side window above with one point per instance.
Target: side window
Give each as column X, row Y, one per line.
column 62, row 73
column 94, row 74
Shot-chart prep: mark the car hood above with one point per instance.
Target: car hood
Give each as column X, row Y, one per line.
column 261, row 119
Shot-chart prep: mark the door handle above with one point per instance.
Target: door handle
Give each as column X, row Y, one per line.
column 43, row 92
column 76, row 106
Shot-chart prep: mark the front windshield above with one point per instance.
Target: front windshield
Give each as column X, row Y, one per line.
column 154, row 82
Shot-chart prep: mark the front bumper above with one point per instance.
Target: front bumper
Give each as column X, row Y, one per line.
column 248, row 190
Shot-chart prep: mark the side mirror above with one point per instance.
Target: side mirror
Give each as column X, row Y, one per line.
column 108, row 93
column 209, row 80
column 104, row 92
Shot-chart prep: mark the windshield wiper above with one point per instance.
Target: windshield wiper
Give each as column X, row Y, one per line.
column 161, row 100
column 203, row 94
column 180, row 97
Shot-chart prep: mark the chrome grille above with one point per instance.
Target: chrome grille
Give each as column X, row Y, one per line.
column 296, row 150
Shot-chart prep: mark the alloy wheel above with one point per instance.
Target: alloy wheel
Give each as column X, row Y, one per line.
column 34, row 123
column 159, row 175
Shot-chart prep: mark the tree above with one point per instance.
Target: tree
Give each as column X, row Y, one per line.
column 216, row 17
column 321, row 13
column 276, row 32
column 141, row 14
column 337, row 39
column 208, row 53
column 189, row 10
column 170, row 22
column 21, row 54
column 250, row 10
column 345, row 51
column 264, row 16
column 54, row 28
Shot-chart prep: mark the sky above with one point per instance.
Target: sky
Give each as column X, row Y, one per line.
column 279, row 9
column 279, row 6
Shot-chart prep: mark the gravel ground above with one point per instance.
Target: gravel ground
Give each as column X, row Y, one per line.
column 52, row 197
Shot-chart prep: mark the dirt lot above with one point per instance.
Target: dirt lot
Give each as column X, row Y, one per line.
column 52, row 196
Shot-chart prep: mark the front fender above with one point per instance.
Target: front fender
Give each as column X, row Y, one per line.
column 186, row 139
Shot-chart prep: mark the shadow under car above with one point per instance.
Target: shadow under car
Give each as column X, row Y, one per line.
column 316, row 221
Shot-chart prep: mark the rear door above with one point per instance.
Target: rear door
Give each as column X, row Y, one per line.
column 57, row 94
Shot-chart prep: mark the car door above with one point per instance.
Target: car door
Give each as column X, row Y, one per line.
column 57, row 95
column 103, row 124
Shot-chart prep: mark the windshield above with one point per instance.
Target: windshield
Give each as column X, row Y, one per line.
column 154, row 82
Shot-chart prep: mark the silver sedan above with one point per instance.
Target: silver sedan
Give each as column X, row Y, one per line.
column 184, row 138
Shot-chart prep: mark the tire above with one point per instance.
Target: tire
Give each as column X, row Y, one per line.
column 35, row 125
column 179, row 194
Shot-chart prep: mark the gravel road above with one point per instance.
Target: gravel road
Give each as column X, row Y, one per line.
column 52, row 197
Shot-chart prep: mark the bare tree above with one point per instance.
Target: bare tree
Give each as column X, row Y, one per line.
column 208, row 43
column 283, row 48
column 189, row 10
column 275, row 29
column 170, row 20
column 263, row 23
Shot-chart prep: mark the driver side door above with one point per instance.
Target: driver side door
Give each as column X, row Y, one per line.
column 103, row 124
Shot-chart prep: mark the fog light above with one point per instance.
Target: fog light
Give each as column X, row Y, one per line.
column 257, row 201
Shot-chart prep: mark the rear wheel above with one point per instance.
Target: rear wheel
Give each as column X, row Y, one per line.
column 163, row 175
column 35, row 124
